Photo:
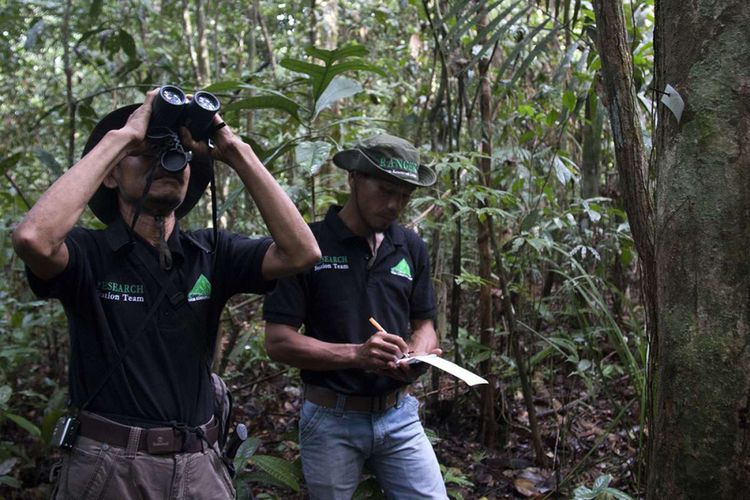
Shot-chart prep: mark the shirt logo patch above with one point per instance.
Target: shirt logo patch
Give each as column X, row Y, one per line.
column 332, row 262
column 120, row 292
column 201, row 290
column 402, row 269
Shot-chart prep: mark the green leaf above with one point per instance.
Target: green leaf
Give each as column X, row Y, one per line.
column 9, row 162
column 95, row 11
column 33, row 35
column 331, row 56
column 619, row 495
column 127, row 43
column 10, row 481
column 224, row 86
column 312, row 155
column 569, row 100
column 562, row 172
column 24, row 424
column 532, row 55
column 511, row 58
column 266, row 102
column 602, row 481
column 339, row 88
column 5, row 393
column 279, row 469
column 48, row 160
column 583, row 493
column 246, row 450
column 313, row 70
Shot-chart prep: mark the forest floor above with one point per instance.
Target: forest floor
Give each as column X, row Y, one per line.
column 587, row 431
column 583, row 436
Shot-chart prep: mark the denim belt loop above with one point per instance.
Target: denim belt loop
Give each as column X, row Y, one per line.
column 340, row 404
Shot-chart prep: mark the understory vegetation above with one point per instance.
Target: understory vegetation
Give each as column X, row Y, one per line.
column 532, row 257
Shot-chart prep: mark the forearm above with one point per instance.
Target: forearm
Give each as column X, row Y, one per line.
column 307, row 353
column 39, row 237
column 423, row 337
column 295, row 247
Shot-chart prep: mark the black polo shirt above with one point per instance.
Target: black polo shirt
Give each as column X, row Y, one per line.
column 337, row 296
column 107, row 290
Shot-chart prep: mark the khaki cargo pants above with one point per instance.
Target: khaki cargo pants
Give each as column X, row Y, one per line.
column 95, row 470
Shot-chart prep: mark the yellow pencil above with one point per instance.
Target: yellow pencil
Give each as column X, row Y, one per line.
column 376, row 325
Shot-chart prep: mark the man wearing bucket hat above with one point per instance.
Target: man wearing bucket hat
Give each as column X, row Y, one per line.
column 356, row 412
column 143, row 300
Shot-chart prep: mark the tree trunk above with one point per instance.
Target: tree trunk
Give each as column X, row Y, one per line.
column 592, row 147
column 488, row 430
column 68, row 68
column 701, row 438
column 617, row 72
column 204, row 68
column 187, row 29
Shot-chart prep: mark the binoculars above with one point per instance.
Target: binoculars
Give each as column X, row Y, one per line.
column 171, row 109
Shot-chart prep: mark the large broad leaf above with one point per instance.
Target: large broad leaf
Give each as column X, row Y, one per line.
column 225, row 86
column 246, row 450
column 267, row 102
column 279, row 469
column 330, row 56
column 339, row 88
column 312, row 155
column 348, row 59
column 313, row 70
column 127, row 43
column 337, row 69
column 48, row 160
column 33, row 35
column 24, row 424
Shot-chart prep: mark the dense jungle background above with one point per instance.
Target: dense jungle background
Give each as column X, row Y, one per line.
column 534, row 262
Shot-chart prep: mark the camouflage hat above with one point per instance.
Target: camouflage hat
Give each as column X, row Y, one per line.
column 104, row 201
column 388, row 156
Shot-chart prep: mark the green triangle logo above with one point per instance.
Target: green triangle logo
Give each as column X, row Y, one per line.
column 201, row 290
column 402, row 269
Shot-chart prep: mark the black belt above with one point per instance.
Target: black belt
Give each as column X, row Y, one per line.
column 157, row 440
column 328, row 399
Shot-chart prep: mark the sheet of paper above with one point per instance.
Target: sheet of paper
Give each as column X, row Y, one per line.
column 448, row 366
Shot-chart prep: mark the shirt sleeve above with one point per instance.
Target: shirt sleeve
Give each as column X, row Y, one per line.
column 422, row 302
column 286, row 305
column 241, row 263
column 71, row 278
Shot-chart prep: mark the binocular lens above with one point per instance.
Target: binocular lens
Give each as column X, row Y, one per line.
column 206, row 101
column 172, row 95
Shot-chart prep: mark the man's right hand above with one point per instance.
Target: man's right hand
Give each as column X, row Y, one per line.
column 137, row 123
column 381, row 351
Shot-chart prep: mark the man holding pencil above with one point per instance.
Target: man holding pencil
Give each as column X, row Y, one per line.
column 367, row 306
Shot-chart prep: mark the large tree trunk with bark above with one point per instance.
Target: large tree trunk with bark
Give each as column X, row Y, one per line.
column 701, row 436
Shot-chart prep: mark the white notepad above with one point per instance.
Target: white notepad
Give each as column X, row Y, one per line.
column 448, row 366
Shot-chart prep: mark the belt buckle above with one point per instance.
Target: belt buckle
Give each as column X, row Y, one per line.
column 160, row 441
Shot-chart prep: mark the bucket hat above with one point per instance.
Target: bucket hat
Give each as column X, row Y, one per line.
column 104, row 201
column 388, row 156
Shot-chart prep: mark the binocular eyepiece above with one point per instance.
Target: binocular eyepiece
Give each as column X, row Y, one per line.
column 171, row 110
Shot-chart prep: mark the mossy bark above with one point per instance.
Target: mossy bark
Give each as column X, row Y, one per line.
column 700, row 434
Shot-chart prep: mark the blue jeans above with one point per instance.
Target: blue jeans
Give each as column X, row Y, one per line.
column 336, row 444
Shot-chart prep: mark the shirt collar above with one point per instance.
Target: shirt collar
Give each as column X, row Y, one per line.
column 118, row 237
column 394, row 232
